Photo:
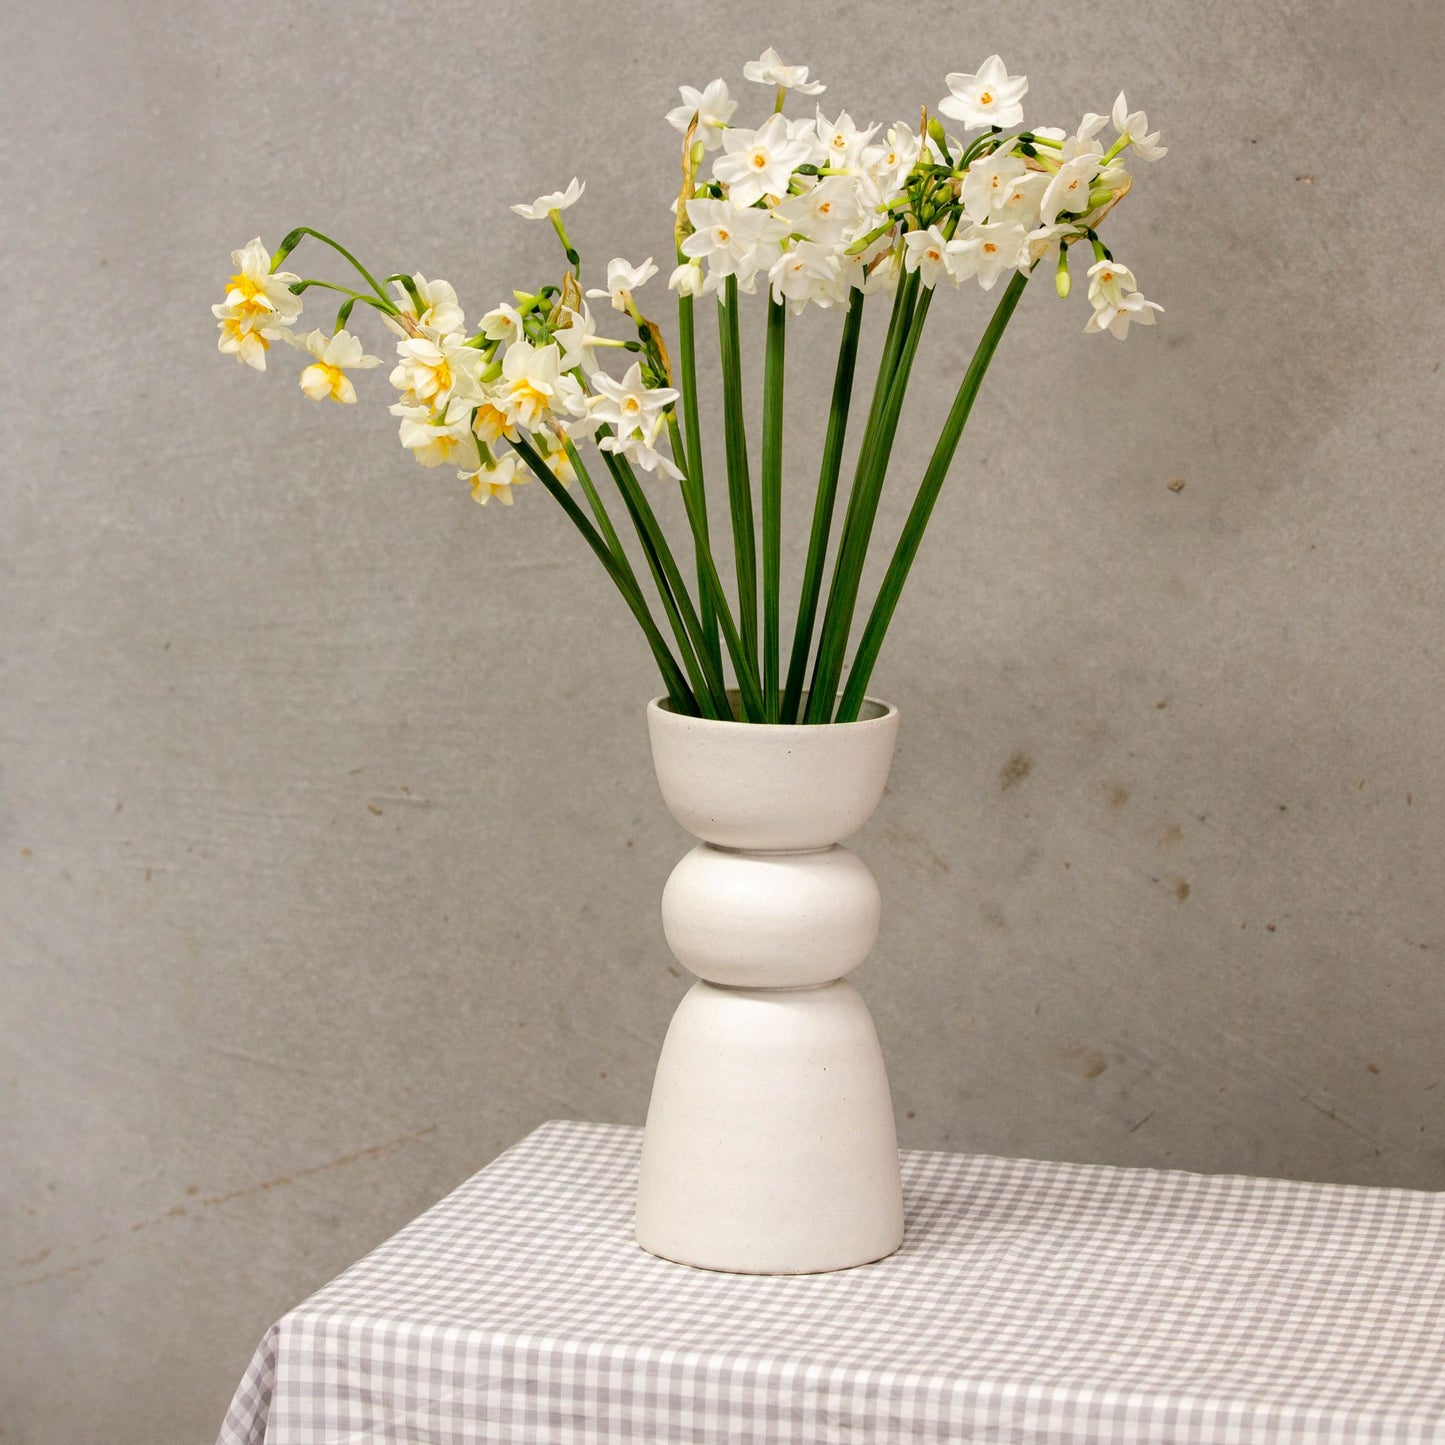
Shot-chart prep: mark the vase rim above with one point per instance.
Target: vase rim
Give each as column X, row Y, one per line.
column 874, row 710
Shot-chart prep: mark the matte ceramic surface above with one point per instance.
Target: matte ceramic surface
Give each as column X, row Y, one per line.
column 765, row 787
column 770, row 1144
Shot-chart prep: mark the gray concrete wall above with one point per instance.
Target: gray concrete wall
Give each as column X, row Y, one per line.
column 329, row 849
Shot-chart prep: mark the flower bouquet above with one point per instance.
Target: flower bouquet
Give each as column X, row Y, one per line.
column 770, row 1144
column 814, row 212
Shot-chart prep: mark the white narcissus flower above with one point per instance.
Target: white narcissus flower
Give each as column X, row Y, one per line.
column 503, row 323
column 1068, row 188
column 990, row 96
column 1116, row 319
column 1022, row 199
column 431, row 371
column 1040, row 242
column 1109, row 283
column 885, row 168
column 1116, row 300
column 985, row 253
column 1135, row 125
column 825, row 212
column 807, row 272
column 840, row 141
column 577, row 338
column 439, row 309
column 623, row 278
column 987, row 183
column 769, row 69
column 759, row 162
column 712, row 106
column 434, row 440
column 886, row 274
column 687, row 279
column 541, row 209
column 927, row 254
column 1084, row 140
column 335, row 356
column 734, row 240
column 496, row 478
column 635, row 412
column 533, row 384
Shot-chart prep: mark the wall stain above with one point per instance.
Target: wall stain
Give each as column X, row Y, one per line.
column 1015, row 771
column 1181, row 890
column 54, row 1274
column 900, row 833
column 1087, row 1063
column 373, row 1152
column 1344, row 1123
column 1171, row 837
column 177, row 1211
column 1118, row 796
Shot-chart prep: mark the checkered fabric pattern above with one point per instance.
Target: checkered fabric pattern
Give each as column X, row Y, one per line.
column 1032, row 1303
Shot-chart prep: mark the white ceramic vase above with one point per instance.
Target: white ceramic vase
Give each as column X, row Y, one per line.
column 770, row 1145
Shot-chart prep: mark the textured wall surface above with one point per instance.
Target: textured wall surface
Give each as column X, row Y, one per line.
column 329, row 848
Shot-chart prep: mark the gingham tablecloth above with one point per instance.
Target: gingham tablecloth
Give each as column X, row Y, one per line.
column 1031, row 1303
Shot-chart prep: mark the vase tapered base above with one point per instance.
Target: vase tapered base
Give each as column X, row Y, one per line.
column 770, row 1145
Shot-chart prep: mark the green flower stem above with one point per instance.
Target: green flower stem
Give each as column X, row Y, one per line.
column 294, row 239
column 555, row 217
column 712, row 592
column 409, row 286
column 823, row 507
column 772, row 502
column 740, row 492
column 864, row 496
column 604, row 522
column 928, row 490
column 296, row 288
column 678, row 692
column 692, row 420
column 707, row 680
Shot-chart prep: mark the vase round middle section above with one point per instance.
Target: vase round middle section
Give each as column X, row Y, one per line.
column 770, row 920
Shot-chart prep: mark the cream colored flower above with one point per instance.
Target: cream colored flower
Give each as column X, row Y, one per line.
column 503, row 323
column 533, row 384
column 247, row 342
column 439, row 310
column 335, row 356
column 431, row 372
column 496, row 478
column 259, row 306
column 256, row 293
column 433, row 439
column 489, row 424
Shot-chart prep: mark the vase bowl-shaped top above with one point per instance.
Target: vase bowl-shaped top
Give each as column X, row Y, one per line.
column 772, row 787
